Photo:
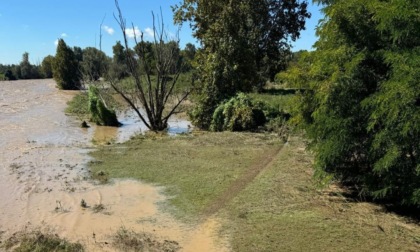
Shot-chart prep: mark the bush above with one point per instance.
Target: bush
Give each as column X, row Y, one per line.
column 37, row 241
column 9, row 75
column 238, row 114
column 100, row 114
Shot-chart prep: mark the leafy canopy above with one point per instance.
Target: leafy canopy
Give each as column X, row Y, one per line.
column 66, row 67
column 244, row 43
column 362, row 104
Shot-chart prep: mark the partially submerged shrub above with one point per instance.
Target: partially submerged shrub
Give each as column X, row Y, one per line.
column 100, row 114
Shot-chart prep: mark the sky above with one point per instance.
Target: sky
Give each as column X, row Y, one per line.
column 34, row 26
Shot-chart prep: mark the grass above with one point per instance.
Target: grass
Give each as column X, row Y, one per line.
column 37, row 241
column 282, row 210
column 278, row 210
column 279, row 101
column 194, row 169
column 78, row 105
column 126, row 240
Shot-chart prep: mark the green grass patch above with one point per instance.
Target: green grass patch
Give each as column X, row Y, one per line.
column 79, row 105
column 183, row 83
column 278, row 101
column 194, row 169
column 279, row 210
column 282, row 210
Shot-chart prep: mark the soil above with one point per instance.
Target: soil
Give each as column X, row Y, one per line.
column 44, row 179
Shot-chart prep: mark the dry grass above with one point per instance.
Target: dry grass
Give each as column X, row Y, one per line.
column 37, row 241
column 126, row 240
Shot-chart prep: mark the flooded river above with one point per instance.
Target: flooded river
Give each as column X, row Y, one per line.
column 43, row 176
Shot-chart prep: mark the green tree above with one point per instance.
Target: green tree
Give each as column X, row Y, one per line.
column 78, row 53
column 47, row 66
column 118, row 68
column 66, row 68
column 244, row 43
column 95, row 63
column 362, row 107
column 9, row 75
column 25, row 67
column 188, row 55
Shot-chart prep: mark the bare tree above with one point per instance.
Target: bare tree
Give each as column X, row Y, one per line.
column 155, row 95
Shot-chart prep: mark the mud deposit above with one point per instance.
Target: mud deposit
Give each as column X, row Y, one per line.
column 43, row 177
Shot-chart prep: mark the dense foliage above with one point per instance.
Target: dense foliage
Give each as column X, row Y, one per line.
column 66, row 68
column 47, row 66
column 244, row 43
column 25, row 70
column 94, row 64
column 100, row 114
column 362, row 106
column 238, row 114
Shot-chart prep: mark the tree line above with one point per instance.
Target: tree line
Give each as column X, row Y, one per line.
column 89, row 64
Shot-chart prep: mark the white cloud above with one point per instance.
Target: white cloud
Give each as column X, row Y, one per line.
column 130, row 32
column 108, row 29
column 63, row 35
column 149, row 32
column 56, row 42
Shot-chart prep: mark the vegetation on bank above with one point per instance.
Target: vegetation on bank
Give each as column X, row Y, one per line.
column 360, row 106
column 38, row 241
column 261, row 188
column 219, row 158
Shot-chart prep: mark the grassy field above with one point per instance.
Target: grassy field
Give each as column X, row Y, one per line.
column 262, row 188
column 195, row 169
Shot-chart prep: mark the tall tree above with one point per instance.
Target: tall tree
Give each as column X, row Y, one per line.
column 46, row 66
column 363, row 110
column 188, row 55
column 25, row 67
column 243, row 45
column 66, row 68
column 118, row 68
column 95, row 64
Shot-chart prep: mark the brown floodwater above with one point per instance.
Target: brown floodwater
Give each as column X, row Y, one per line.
column 43, row 176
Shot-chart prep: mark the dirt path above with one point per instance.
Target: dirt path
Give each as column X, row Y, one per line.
column 236, row 187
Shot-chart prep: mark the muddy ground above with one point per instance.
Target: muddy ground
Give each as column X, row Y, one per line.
column 43, row 177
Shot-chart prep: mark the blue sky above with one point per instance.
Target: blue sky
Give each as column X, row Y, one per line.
column 33, row 26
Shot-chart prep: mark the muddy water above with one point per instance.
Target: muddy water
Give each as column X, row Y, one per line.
column 43, row 176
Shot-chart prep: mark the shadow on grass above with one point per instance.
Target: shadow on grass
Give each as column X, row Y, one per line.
column 351, row 194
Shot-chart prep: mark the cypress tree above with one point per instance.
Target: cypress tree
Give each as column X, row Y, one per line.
column 65, row 68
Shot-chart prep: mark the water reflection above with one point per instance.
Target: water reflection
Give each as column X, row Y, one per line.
column 132, row 125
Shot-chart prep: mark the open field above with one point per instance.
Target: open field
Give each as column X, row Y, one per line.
column 261, row 189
